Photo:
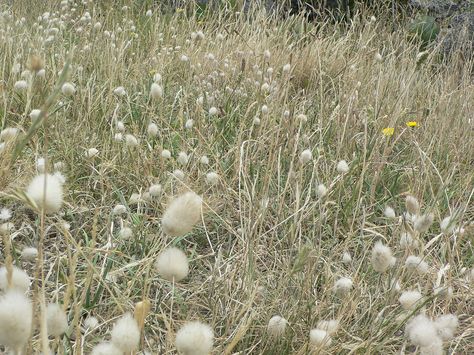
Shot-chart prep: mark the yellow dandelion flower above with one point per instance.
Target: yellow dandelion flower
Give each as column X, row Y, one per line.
column 412, row 124
column 388, row 131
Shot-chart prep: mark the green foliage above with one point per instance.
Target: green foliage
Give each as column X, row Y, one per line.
column 425, row 29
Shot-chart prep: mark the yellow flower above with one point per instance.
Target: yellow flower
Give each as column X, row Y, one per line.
column 388, row 131
column 412, row 124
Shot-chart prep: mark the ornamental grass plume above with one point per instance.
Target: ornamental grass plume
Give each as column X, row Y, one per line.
column 415, row 263
column 407, row 241
column 125, row 334
column 47, row 192
column 56, row 320
column 319, row 338
column 382, row 257
column 16, row 316
column 409, row 299
column 446, row 326
column 343, row 286
column 276, row 326
column 195, row 338
column 20, row 280
column 106, row 349
column 182, row 214
column 306, row 156
column 412, row 205
column 342, row 167
column 423, row 223
column 330, row 326
column 423, row 333
column 172, row 264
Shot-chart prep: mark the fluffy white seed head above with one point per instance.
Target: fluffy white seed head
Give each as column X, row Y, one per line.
column 6, row 228
column 20, row 85
column 92, row 152
column 204, row 160
column 195, row 338
column 182, row 214
column 412, row 205
column 435, row 348
column 155, row 190
column 134, row 199
column 5, row 214
column 447, row 226
column 68, row 89
column 183, row 158
column 125, row 334
column 407, row 241
column 424, row 222
column 120, row 91
column 34, row 114
column 9, row 133
column 189, row 124
column 20, row 280
column 389, row 212
column 276, row 326
column 212, row 178
column 382, row 257
column 131, row 141
column 213, row 111
column 343, row 286
column 330, row 326
column 56, row 320
column 29, row 253
column 172, row 264
column 346, row 258
column 106, row 349
column 306, row 156
column 16, row 316
column 119, row 209
column 319, row 338
column 286, row 68
column 409, row 299
column 47, row 192
column 152, row 130
column 415, row 263
column 125, row 233
column 421, row 331
column 118, row 137
column 179, row 174
column 342, row 167
column 156, row 91
column 157, row 78
column 90, row 323
column 446, row 326
column 165, row 154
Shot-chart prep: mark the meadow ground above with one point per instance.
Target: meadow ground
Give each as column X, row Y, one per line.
column 334, row 168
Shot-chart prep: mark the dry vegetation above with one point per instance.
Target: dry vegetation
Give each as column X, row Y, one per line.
column 254, row 116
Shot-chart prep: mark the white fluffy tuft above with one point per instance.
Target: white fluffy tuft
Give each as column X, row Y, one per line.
column 319, row 338
column 126, row 334
column 106, row 349
column 171, row 264
column 276, row 326
column 20, row 279
column 409, row 299
column 182, row 214
column 382, row 257
column 56, row 319
column 195, row 338
column 48, row 197
column 16, row 316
